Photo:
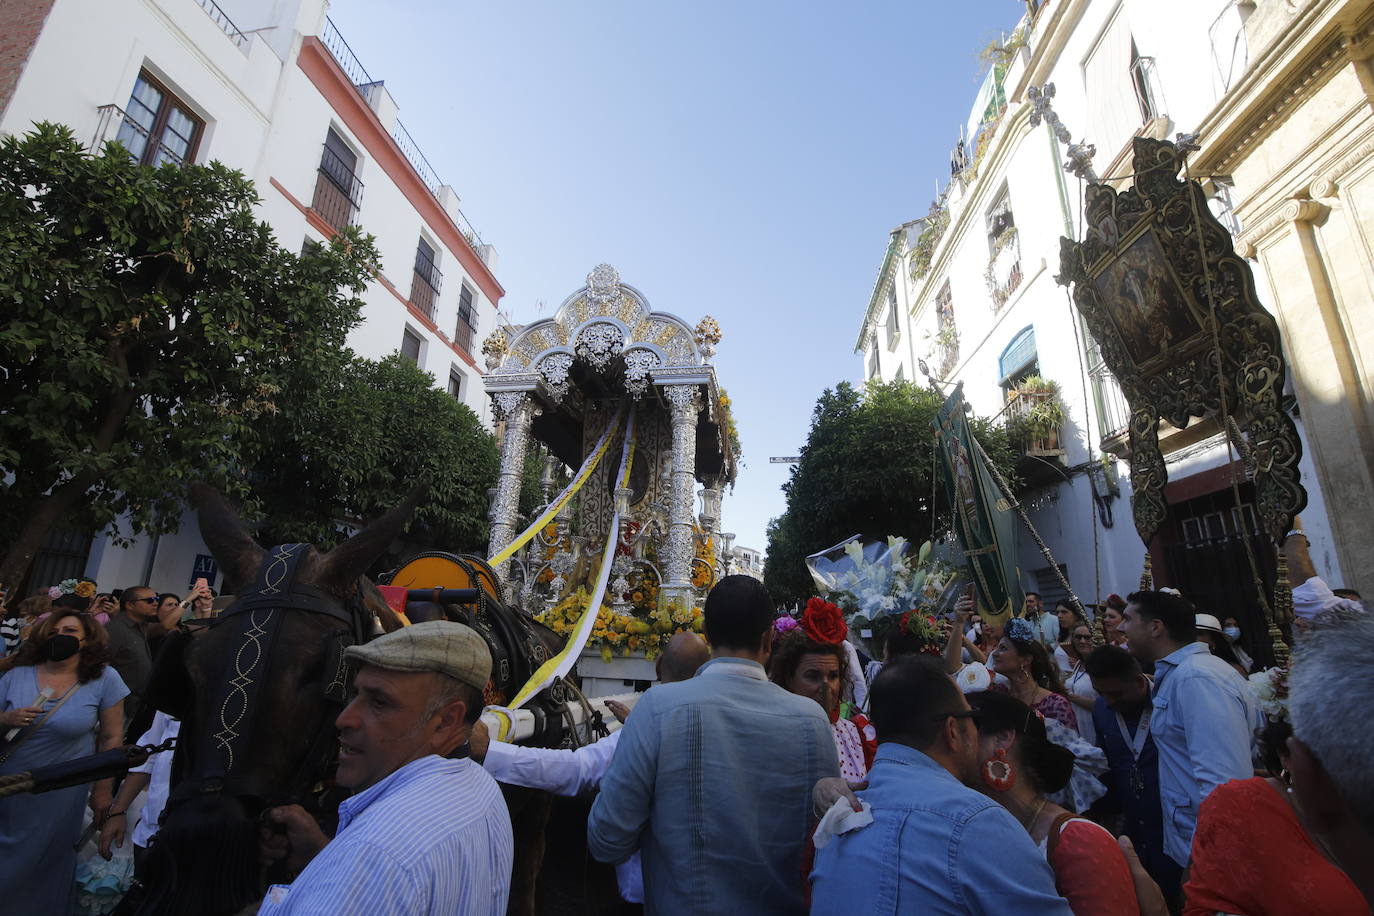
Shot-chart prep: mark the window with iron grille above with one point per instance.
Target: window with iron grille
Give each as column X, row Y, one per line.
column 427, row 280
column 467, row 319
column 158, row 127
column 946, row 333
column 894, row 330
column 455, row 382
column 338, row 192
column 410, row 346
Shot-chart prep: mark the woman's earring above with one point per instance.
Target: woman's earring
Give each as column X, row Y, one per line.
column 998, row 772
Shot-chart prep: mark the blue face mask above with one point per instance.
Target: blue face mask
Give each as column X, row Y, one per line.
column 1231, row 632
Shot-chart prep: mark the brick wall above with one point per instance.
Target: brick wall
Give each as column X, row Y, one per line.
column 20, row 23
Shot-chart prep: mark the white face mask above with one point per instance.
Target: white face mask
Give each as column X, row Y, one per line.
column 1231, row 632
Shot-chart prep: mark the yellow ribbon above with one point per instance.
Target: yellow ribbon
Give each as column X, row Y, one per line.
column 558, row 665
column 556, row 506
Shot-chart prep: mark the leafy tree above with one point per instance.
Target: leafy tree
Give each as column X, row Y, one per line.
column 151, row 326
column 377, row 429
column 867, row 468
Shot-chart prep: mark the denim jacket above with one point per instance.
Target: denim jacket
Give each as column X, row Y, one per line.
column 935, row 846
column 1203, row 720
column 712, row 783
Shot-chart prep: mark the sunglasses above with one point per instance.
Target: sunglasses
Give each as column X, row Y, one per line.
column 146, row 600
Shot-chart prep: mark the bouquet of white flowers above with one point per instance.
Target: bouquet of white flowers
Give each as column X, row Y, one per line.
column 877, row 578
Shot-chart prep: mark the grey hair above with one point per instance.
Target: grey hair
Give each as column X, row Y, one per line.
column 448, row 690
column 1320, row 704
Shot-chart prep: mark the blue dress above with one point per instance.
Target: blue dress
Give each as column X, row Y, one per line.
column 37, row 832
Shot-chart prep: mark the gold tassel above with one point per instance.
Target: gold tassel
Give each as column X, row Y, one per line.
column 1282, row 611
column 1147, row 577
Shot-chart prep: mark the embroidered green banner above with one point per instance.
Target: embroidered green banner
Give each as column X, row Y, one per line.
column 983, row 520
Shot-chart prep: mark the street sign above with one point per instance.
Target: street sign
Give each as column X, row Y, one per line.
column 792, row 460
column 205, row 568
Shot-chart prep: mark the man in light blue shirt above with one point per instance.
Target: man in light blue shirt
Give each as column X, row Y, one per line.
column 935, row 846
column 572, row 772
column 712, row 778
column 1203, row 714
column 423, row 834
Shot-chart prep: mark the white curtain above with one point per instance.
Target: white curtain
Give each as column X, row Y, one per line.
column 1113, row 111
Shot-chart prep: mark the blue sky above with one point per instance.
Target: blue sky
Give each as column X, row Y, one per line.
column 740, row 159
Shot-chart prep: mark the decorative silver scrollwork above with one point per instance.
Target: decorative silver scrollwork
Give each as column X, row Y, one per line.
column 599, row 343
column 507, row 402
column 603, row 287
column 554, row 368
column 638, row 364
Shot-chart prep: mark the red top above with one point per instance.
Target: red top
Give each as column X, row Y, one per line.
column 1251, row 855
column 1090, row 871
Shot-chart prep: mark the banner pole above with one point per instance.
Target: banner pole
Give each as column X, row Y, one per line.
column 1015, row 505
column 1025, row 520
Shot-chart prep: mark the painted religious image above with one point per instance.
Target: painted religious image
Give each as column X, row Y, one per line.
column 1145, row 302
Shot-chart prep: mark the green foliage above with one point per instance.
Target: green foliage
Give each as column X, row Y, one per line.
column 376, row 430
column 866, row 469
column 923, row 250
column 151, row 325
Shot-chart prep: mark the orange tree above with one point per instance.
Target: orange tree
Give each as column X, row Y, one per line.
column 151, row 326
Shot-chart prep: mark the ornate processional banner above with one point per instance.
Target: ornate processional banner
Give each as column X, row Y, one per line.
column 1174, row 309
column 982, row 519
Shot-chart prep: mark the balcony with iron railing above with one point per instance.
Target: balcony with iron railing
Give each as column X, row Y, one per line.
column 1025, row 413
column 366, row 86
column 1004, row 270
column 338, row 192
column 425, row 284
column 1113, row 411
column 221, row 19
column 115, row 124
column 464, row 332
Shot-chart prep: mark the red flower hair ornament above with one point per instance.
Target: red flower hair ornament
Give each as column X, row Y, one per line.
column 824, row 622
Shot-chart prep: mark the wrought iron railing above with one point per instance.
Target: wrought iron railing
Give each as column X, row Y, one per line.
column 1145, row 82
column 464, row 332
column 1114, row 413
column 352, row 67
column 1018, row 411
column 114, row 124
column 338, row 192
column 224, row 22
column 366, row 86
column 425, row 285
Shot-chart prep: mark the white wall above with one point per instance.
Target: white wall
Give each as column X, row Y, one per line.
column 264, row 116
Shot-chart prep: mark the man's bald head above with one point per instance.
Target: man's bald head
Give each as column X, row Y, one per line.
column 685, row 653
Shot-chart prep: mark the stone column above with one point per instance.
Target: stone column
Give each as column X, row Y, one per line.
column 685, row 403
column 517, row 410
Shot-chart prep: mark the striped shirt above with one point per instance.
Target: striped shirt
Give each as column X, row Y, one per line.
column 433, row 837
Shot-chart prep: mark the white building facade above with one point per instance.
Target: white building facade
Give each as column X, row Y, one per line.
column 269, row 87
column 970, row 292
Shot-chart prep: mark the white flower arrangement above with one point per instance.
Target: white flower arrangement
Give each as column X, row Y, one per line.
column 878, row 578
column 1270, row 689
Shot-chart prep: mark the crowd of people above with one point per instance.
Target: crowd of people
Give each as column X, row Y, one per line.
column 72, row 680
column 1051, row 762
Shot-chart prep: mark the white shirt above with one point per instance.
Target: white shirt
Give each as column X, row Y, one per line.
column 565, row 772
column 433, row 837
column 159, row 770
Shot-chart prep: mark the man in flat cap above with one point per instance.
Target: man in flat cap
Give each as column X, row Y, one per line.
column 422, row 833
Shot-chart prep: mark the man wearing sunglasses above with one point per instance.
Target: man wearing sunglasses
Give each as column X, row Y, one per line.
column 935, row 845
column 129, row 651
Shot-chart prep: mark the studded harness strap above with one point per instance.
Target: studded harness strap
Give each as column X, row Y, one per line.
column 256, row 616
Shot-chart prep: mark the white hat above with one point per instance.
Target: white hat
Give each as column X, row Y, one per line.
column 1208, row 623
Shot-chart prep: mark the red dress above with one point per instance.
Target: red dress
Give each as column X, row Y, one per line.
column 1090, row 870
column 1251, row 855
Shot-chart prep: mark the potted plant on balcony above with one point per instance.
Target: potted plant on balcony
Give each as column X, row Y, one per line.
column 1042, row 414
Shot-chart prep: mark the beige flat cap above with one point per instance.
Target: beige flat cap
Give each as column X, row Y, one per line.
column 440, row 646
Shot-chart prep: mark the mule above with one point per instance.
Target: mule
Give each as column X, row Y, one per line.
column 257, row 693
